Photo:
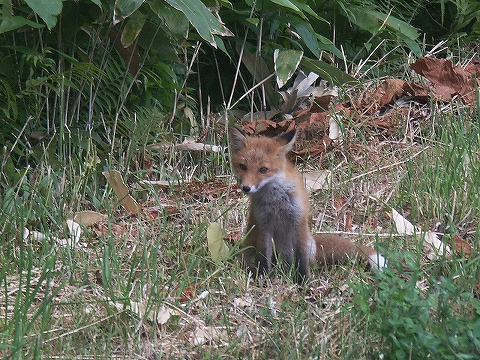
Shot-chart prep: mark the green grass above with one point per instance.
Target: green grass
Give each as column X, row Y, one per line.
column 83, row 300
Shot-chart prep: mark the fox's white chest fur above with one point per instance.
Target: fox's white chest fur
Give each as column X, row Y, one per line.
column 276, row 204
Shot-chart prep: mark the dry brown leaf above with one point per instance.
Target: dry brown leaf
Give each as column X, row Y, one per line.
column 115, row 180
column 448, row 80
column 388, row 92
column 87, row 218
column 462, row 246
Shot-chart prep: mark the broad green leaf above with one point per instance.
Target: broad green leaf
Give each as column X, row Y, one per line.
column 412, row 44
column 24, row 50
column 328, row 45
column 286, row 3
column 307, row 9
column 372, row 21
column 98, row 3
column 132, row 29
column 259, row 69
column 308, row 36
column 202, row 19
column 124, row 8
column 154, row 38
column 253, row 21
column 217, row 247
column 286, row 63
column 173, row 19
column 327, row 71
column 7, row 10
column 48, row 10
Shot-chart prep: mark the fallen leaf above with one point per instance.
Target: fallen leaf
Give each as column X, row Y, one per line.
column 206, row 334
column 217, row 247
column 163, row 315
column 190, row 144
column 403, row 225
column 317, row 180
column 389, row 91
column 348, row 221
column 430, row 238
column 448, row 80
column 462, row 246
column 87, row 218
column 115, row 180
column 334, row 131
column 75, row 231
column 187, row 294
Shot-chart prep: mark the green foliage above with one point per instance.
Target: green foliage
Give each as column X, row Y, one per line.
column 407, row 321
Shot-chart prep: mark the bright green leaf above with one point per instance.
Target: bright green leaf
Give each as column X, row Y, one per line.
column 286, row 3
column 286, row 63
column 308, row 36
column 201, row 18
column 327, row 71
column 253, row 21
column 173, row 19
column 132, row 29
column 48, row 10
column 16, row 22
column 327, row 45
column 125, row 8
column 373, row 21
column 307, row 9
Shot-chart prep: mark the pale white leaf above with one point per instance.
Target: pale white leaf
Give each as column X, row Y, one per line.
column 37, row 235
column 190, row 144
column 75, row 231
column 317, row 180
column 438, row 247
column 334, row 130
column 199, row 336
column 204, row 334
column 304, row 87
column 163, row 315
column 403, row 225
column 203, row 295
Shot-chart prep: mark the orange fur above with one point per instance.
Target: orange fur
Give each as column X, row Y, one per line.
column 279, row 209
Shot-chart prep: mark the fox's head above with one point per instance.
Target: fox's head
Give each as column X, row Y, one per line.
column 258, row 160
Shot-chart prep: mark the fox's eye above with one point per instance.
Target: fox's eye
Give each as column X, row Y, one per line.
column 263, row 170
column 242, row 167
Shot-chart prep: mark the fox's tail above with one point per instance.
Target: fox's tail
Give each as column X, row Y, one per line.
column 333, row 249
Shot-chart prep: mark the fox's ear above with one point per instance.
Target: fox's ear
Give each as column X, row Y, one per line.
column 287, row 140
column 238, row 139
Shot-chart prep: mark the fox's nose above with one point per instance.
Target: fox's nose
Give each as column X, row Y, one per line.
column 246, row 189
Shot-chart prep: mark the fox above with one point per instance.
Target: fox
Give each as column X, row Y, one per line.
column 279, row 211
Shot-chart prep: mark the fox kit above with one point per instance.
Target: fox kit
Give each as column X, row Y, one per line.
column 279, row 210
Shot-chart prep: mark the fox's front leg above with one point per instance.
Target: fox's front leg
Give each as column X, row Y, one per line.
column 304, row 249
column 257, row 251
